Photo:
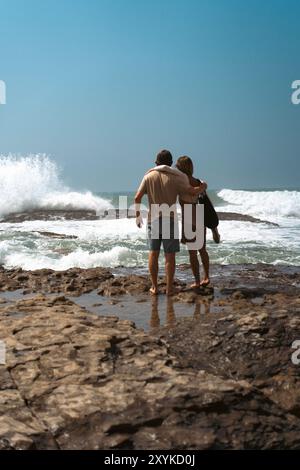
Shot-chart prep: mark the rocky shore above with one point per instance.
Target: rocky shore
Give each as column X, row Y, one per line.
column 81, row 214
column 222, row 378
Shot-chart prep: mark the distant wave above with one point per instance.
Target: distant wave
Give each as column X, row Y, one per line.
column 263, row 203
column 33, row 182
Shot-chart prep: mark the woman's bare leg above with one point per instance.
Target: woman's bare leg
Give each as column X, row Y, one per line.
column 216, row 235
column 195, row 267
column 205, row 262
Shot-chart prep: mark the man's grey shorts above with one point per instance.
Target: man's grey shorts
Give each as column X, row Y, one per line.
column 163, row 232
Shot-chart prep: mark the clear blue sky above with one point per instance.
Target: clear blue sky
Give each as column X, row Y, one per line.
column 101, row 85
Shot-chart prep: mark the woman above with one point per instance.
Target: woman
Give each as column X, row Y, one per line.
column 185, row 165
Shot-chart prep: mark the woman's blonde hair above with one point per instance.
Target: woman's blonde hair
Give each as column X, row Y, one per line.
column 185, row 164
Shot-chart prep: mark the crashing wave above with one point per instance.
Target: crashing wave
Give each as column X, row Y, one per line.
column 263, row 203
column 33, row 182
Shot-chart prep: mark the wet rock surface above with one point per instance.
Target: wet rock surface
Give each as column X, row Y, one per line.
column 221, row 379
column 243, row 218
column 57, row 235
column 242, row 340
column 74, row 281
column 249, row 281
column 40, row 214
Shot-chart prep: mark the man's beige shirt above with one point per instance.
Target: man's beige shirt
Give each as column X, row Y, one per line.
column 163, row 184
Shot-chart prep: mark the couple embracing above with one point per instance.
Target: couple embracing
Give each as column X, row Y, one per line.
column 163, row 184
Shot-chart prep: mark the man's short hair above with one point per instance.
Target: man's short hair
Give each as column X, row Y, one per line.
column 164, row 157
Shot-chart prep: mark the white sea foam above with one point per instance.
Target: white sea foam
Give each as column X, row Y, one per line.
column 91, row 231
column 265, row 204
column 119, row 242
column 33, row 182
column 116, row 256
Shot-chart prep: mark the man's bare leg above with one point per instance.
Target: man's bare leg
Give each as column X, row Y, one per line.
column 170, row 271
column 195, row 267
column 153, row 269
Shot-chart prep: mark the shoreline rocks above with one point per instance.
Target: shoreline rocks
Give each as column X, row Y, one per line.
column 74, row 281
column 220, row 379
column 247, row 280
column 74, row 380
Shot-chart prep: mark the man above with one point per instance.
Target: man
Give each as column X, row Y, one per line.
column 162, row 185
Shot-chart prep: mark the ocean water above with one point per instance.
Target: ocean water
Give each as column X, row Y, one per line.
column 34, row 182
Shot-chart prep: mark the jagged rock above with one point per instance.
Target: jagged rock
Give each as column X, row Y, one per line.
column 222, row 379
column 74, row 281
column 75, row 380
